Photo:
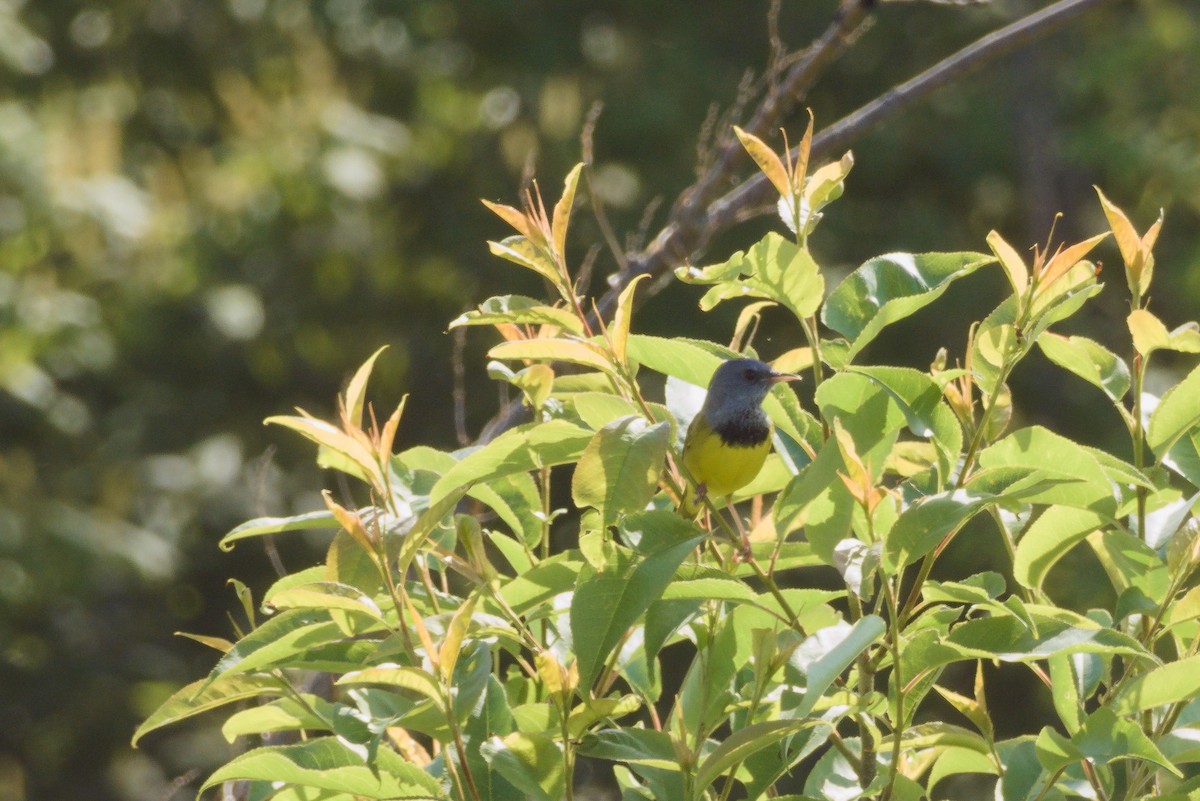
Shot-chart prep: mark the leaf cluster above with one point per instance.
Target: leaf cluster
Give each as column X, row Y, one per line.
column 482, row 640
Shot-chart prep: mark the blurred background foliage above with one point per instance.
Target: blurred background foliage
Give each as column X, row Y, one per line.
column 214, row 210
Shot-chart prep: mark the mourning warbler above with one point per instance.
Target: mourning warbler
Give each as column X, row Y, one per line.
column 730, row 437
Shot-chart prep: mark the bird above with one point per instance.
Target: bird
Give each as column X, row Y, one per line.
column 728, row 440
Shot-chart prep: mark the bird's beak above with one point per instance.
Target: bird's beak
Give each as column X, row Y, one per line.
column 779, row 378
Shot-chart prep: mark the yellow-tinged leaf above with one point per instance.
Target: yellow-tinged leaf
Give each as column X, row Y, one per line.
column 218, row 643
column 418, row 623
column 558, row 680
column 825, row 184
column 747, row 322
column 351, row 522
column 536, row 381
column 387, row 437
column 1066, row 259
column 562, row 210
column 456, row 634
column 521, row 250
column 1151, row 235
column 356, row 390
column 767, row 161
column 1127, row 238
column 1014, row 266
column 561, row 350
column 514, row 217
column 328, row 436
column 803, row 150
column 409, row 748
column 793, row 361
column 1149, row 333
column 618, row 332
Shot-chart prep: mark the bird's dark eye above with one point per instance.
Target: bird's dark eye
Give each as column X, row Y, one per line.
column 751, row 374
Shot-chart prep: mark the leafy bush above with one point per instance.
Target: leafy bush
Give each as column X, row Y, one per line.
column 482, row 639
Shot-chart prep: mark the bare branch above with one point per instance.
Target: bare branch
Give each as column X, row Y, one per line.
column 707, row 209
column 687, row 235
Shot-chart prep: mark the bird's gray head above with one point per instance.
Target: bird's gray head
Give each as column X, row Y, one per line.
column 738, row 388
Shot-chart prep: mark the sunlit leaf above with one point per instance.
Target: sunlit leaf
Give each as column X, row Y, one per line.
column 517, row 450
column 520, row 250
column 283, row 714
column 774, row 269
column 619, row 469
column 562, row 210
column 889, row 288
column 522, row 310
column 261, row 526
column 532, row 762
column 555, row 350
column 608, row 601
column 1089, row 360
column 205, row 695
column 618, row 332
column 1058, row 530
column 327, row 763
column 767, row 161
column 356, row 390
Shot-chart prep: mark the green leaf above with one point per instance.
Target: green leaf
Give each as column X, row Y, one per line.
column 1023, row 776
column 953, row 761
column 610, row 600
column 743, row 744
column 592, row 711
column 521, row 310
column 518, row 450
column 354, row 457
column 817, row 499
column 261, row 526
column 774, row 268
column 548, row 578
column 1176, row 416
column 1102, row 739
column 619, row 469
column 1162, row 685
column 356, row 390
column 494, row 717
column 283, row 714
column 1150, row 334
column 1010, row 640
column 822, row 657
column 633, row 746
column 285, row 639
column 930, row 519
column 204, row 695
column 549, row 349
column 1058, row 530
column 401, row 677
column 1086, row 485
column 325, row 595
column 1131, row 564
column 532, row 762
column 519, row 250
column 891, row 287
column 326, row 763
column 1089, row 360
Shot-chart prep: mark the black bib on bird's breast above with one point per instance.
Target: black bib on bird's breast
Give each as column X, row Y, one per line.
column 744, row 431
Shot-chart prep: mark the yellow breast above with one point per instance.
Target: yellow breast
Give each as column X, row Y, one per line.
column 721, row 467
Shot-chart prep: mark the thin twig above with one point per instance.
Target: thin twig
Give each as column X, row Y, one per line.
column 587, row 142
column 702, row 211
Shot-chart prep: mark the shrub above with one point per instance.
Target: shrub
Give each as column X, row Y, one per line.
column 484, row 635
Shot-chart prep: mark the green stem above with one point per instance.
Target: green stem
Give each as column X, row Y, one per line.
column 898, row 681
